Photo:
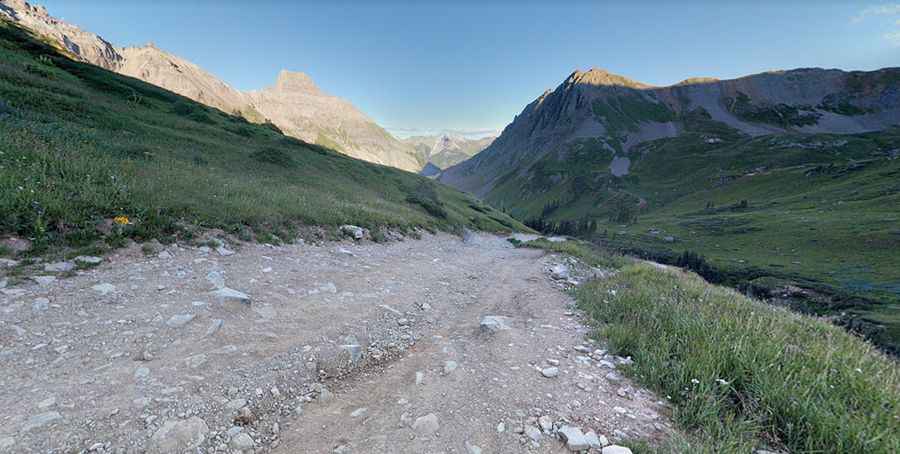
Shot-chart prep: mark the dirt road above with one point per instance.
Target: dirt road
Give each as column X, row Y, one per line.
column 341, row 348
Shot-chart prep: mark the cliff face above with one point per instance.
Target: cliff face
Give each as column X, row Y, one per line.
column 622, row 113
column 295, row 104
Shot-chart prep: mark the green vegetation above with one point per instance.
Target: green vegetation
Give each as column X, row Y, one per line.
column 782, row 115
column 742, row 374
column 80, row 145
column 819, row 212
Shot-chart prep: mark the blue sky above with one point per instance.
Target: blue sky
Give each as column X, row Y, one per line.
column 472, row 65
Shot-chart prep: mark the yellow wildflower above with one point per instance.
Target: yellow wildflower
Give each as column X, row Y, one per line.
column 122, row 220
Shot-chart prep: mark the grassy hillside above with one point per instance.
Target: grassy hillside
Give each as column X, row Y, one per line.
column 768, row 214
column 79, row 144
column 741, row 375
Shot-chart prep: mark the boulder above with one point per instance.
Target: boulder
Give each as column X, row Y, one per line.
column 559, row 272
column 59, row 267
column 574, row 438
column 352, row 231
column 426, row 425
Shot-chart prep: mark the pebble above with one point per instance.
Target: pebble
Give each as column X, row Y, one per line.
column 359, row 412
column 550, row 372
column 7, row 442
column 472, row 449
column 546, row 424
column 501, row 427
column 553, row 362
column 420, row 377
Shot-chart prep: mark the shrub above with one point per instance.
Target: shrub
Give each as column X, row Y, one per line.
column 426, row 197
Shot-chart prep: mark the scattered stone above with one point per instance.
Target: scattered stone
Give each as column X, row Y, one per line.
column 40, row 305
column 553, row 362
column 501, row 427
column 450, row 366
column 242, row 442
column 17, row 245
column 426, row 425
column 341, row 449
column 179, row 320
column 550, row 372
column 224, row 251
column 88, row 260
column 494, row 323
column 612, row 376
column 582, row 349
column 472, row 449
column 574, row 438
column 41, row 420
column 104, row 289
column 615, row 449
column 403, row 322
column 3, row 282
column 227, row 295
column 164, row 255
column 420, row 377
column 59, row 267
column 359, row 412
column 47, row 403
column 7, row 443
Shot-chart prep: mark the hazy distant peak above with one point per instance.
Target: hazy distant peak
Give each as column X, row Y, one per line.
column 291, row 81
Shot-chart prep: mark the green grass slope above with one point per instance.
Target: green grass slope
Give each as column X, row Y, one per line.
column 741, row 375
column 79, row 144
column 819, row 212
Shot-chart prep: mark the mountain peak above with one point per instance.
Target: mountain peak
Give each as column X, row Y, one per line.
column 295, row 82
column 601, row 77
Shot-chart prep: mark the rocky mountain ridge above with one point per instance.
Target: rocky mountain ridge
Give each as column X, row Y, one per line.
column 622, row 113
column 295, row 104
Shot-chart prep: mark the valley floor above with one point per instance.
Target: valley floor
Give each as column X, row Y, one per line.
column 343, row 348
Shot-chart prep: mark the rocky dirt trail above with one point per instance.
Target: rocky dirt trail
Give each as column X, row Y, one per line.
column 431, row 345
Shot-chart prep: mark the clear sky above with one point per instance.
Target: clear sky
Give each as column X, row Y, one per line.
column 470, row 65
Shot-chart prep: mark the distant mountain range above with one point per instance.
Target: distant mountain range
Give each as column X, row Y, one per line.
column 621, row 113
column 294, row 104
column 446, row 149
